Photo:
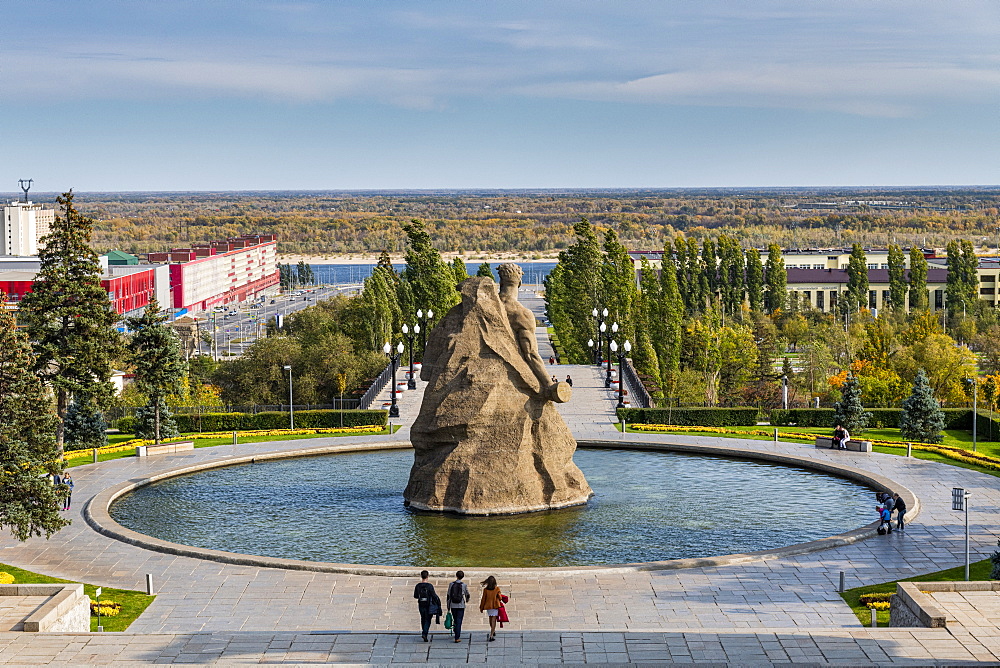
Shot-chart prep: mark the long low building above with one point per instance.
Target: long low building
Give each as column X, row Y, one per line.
column 821, row 288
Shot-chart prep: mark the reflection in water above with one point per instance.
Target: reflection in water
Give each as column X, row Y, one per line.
column 348, row 508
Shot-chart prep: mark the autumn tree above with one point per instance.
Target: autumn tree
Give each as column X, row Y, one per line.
column 67, row 315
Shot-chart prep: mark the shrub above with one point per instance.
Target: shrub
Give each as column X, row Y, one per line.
column 702, row 417
column 803, row 417
column 6, row 578
column 876, row 597
column 316, row 419
column 994, row 560
column 881, row 418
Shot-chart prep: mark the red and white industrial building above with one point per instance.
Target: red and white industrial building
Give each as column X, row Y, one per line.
column 185, row 280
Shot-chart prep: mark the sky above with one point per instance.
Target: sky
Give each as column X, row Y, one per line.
column 120, row 95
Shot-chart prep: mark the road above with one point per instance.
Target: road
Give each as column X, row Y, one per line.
column 236, row 328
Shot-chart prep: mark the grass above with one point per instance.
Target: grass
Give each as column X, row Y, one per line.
column 979, row 570
column 115, row 439
column 133, row 602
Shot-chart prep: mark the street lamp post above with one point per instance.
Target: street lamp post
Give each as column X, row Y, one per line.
column 601, row 328
column 960, row 501
column 291, row 403
column 423, row 334
column 599, row 350
column 614, row 330
column 626, row 349
column 411, row 383
column 394, row 361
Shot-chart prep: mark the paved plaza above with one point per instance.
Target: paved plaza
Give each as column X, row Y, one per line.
column 777, row 610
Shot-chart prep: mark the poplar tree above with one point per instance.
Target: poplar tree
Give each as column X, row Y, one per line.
column 918, row 279
column 28, row 449
column 897, row 278
column 430, row 280
column 755, row 280
column 698, row 278
column 668, row 347
column 776, row 279
column 679, row 256
column 459, row 270
column 571, row 292
column 732, row 270
column 157, row 360
column 857, row 280
column 617, row 287
column 67, row 315
column 962, row 290
column 710, row 268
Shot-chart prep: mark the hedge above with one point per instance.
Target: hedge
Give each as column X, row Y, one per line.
column 886, row 418
column 702, row 417
column 316, row 419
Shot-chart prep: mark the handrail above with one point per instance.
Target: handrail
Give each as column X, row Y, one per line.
column 637, row 390
column 376, row 387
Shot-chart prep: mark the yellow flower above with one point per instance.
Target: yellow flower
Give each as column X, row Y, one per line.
column 6, row 578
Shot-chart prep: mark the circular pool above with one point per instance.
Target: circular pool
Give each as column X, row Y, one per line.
column 347, row 508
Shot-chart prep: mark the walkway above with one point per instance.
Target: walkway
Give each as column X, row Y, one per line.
column 778, row 610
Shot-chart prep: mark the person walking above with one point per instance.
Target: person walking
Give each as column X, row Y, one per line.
column 900, row 510
column 428, row 603
column 569, row 381
column 490, row 603
column 458, row 596
column 67, row 480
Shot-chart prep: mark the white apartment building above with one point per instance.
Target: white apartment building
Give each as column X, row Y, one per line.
column 24, row 225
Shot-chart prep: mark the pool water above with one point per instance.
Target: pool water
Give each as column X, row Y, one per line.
column 348, row 508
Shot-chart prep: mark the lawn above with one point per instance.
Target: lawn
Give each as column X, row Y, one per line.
column 979, row 570
column 133, row 602
column 116, row 439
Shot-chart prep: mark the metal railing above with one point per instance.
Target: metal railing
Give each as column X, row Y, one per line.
column 376, row 387
column 637, row 391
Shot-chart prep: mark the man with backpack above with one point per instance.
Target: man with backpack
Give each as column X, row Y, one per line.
column 428, row 604
column 458, row 596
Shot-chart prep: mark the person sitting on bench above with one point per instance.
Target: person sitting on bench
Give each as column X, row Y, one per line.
column 840, row 438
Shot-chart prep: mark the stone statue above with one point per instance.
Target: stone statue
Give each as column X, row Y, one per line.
column 488, row 439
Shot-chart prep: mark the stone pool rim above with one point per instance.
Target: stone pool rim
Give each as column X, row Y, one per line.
column 97, row 513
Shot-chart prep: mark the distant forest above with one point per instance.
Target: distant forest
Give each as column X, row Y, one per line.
column 541, row 222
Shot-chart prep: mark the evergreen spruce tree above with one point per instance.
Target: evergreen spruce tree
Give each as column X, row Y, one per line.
column 459, row 270
column 918, row 279
column 485, row 271
column 67, row 315
column 28, row 449
column 850, row 413
column 85, row 425
column 155, row 421
column 857, row 280
column 157, row 360
column 897, row 278
column 776, row 279
column 755, row 280
column 922, row 419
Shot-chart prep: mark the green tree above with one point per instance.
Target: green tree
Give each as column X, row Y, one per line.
column 485, row 271
column 668, row 345
column 897, row 278
column 28, row 449
column 156, row 358
column 710, row 269
column 617, row 288
column 430, row 282
column 732, row 270
column 67, row 315
column 571, row 292
column 857, row 281
column 776, row 279
column 850, row 413
column 755, row 280
column 918, row 279
column 459, row 269
column 922, row 419
column 155, row 421
column 962, row 289
column 85, row 426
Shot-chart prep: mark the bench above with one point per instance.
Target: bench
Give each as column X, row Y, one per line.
column 163, row 448
column 856, row 446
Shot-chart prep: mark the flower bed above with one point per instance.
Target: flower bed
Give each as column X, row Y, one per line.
column 105, row 608
column 6, row 578
column 132, row 444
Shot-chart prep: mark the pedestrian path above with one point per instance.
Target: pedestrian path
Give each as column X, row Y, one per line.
column 779, row 610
